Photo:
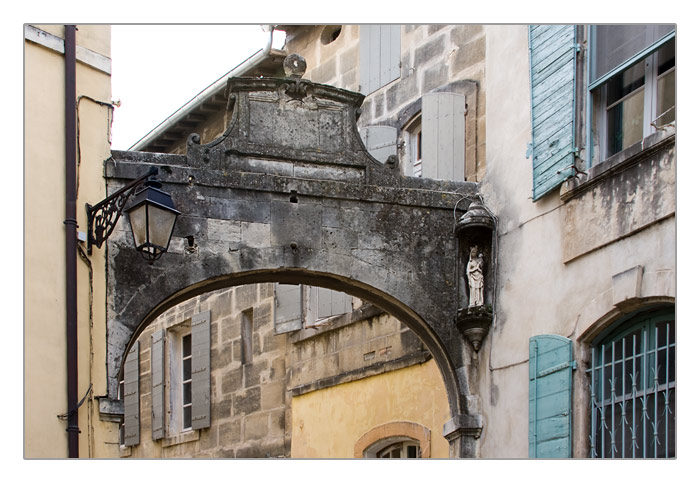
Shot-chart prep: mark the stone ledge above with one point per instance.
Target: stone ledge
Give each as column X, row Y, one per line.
column 574, row 187
column 364, row 312
column 361, row 373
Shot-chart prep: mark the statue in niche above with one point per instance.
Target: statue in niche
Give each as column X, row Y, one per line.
column 475, row 277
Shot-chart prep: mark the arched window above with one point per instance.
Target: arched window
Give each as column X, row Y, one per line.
column 402, row 449
column 396, row 439
column 633, row 388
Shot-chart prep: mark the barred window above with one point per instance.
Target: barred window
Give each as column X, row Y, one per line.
column 633, row 389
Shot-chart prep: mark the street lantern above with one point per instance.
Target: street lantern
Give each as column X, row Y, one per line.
column 152, row 215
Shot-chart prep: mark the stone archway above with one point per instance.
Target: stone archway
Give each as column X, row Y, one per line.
column 289, row 194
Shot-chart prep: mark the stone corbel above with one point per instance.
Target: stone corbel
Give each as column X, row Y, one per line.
column 462, row 432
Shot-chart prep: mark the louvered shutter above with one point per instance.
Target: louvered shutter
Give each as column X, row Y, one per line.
column 287, row 308
column 157, row 385
column 551, row 366
column 553, row 90
column 132, row 432
column 201, row 369
column 330, row 303
column 380, row 56
column 443, row 124
column 380, row 141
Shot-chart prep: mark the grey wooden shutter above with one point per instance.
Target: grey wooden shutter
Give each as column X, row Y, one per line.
column 201, row 369
column 380, row 56
column 330, row 303
column 380, row 141
column 158, row 385
column 287, row 308
column 553, row 90
column 132, row 430
column 551, row 366
column 443, row 124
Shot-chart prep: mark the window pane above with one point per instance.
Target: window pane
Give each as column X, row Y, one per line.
column 625, row 122
column 615, row 44
column 187, row 345
column 187, row 417
column 187, row 393
column 187, row 369
column 412, row 451
column 666, row 99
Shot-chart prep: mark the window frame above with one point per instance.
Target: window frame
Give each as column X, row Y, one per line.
column 596, row 111
column 402, row 445
column 175, row 405
column 645, row 322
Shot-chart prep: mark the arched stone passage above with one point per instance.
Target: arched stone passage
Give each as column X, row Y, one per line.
column 392, row 306
column 289, row 194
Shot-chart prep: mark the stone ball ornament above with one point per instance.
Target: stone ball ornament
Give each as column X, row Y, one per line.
column 294, row 66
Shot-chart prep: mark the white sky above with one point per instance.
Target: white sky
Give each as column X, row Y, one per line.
column 156, row 69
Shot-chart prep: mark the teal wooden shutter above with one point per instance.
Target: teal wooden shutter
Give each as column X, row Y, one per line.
column 157, row 385
column 287, row 308
column 132, row 429
column 443, row 125
column 380, row 141
column 551, row 366
column 380, row 56
column 553, row 90
column 201, row 370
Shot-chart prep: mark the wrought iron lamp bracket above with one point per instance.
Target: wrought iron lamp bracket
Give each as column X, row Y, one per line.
column 103, row 217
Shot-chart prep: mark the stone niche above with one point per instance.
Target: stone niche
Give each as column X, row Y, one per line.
column 475, row 233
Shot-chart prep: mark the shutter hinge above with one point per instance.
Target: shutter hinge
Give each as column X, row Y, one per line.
column 577, row 47
column 574, row 366
column 528, row 152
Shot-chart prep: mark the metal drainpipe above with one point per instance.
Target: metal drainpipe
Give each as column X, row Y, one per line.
column 71, row 243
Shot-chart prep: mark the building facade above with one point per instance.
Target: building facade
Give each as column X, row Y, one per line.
column 567, row 132
column 47, row 219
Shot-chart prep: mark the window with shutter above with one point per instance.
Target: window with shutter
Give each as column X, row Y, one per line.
column 442, row 134
column 551, row 366
column 201, row 370
column 380, row 56
column 380, row 141
column 324, row 303
column 158, row 385
column 132, row 428
column 553, row 102
column 288, row 308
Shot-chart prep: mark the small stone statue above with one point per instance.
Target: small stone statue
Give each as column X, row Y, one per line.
column 475, row 277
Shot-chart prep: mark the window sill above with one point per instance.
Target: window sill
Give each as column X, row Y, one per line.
column 181, row 438
column 574, row 187
column 364, row 312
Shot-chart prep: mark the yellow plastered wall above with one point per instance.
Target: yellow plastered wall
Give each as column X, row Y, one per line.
column 44, row 234
column 329, row 422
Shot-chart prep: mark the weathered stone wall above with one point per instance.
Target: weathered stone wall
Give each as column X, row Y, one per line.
column 352, row 346
column 433, row 57
column 249, row 407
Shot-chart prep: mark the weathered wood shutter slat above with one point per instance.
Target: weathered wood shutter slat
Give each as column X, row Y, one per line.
column 158, row 385
column 132, row 429
column 553, row 104
column 201, row 370
column 443, row 125
column 380, row 141
column 551, row 366
column 288, row 308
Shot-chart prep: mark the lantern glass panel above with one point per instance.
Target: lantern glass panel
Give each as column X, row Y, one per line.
column 137, row 217
column 160, row 226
